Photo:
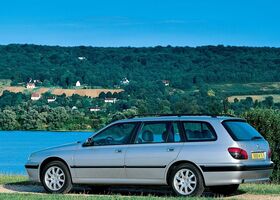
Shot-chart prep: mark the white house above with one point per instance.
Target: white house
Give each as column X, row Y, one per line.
column 35, row 96
column 166, row 82
column 51, row 99
column 110, row 100
column 125, row 81
column 82, row 58
column 30, row 85
column 78, row 84
column 95, row 109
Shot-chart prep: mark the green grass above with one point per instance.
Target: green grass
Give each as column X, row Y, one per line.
column 8, row 179
column 258, row 189
column 95, row 197
column 246, row 88
column 272, row 189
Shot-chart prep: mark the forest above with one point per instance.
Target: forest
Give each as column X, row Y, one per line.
column 105, row 67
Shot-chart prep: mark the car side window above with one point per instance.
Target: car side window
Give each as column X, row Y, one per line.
column 158, row 132
column 199, row 131
column 115, row 135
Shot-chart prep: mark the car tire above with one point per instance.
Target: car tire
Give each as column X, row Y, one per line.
column 224, row 189
column 56, row 178
column 186, row 180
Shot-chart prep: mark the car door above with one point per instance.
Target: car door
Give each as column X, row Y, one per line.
column 104, row 159
column 155, row 146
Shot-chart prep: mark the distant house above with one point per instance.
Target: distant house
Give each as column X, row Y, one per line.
column 51, row 99
column 35, row 96
column 166, row 82
column 82, row 58
column 78, row 84
column 110, row 100
column 30, row 85
column 74, row 108
column 124, row 81
column 37, row 81
column 95, row 109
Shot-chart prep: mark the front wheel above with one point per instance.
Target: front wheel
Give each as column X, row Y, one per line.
column 186, row 180
column 56, row 178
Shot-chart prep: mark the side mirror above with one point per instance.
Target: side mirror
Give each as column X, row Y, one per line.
column 88, row 142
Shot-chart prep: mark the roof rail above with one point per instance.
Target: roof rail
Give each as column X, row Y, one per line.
column 178, row 115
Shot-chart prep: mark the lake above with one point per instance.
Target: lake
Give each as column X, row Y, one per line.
column 16, row 146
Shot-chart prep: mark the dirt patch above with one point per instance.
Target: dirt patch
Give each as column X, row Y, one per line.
column 93, row 93
column 254, row 197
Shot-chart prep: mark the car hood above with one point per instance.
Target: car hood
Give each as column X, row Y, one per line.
column 65, row 147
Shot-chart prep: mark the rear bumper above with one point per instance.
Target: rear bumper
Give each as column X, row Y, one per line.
column 32, row 170
column 226, row 175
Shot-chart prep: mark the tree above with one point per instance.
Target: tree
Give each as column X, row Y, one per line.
column 267, row 122
column 8, row 120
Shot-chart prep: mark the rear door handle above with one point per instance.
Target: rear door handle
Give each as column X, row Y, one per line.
column 170, row 149
column 118, row 151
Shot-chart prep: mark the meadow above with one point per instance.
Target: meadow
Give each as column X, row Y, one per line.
column 259, row 191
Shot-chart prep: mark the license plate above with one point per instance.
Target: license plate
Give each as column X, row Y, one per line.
column 258, row 156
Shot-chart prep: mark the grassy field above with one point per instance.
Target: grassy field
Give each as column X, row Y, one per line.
column 276, row 97
column 253, row 189
column 8, row 179
column 247, row 88
column 95, row 197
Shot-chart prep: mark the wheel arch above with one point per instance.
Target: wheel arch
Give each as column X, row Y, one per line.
column 50, row 159
column 175, row 164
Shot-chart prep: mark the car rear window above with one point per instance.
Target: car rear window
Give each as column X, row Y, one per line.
column 241, row 131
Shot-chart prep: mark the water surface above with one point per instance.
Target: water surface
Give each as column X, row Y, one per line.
column 16, row 146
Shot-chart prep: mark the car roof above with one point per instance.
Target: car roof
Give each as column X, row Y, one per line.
column 178, row 118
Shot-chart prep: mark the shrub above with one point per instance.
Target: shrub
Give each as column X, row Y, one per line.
column 267, row 122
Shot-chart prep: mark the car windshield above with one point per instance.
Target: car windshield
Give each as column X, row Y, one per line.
column 241, row 131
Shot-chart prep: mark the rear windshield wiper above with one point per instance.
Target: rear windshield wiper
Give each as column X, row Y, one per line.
column 256, row 138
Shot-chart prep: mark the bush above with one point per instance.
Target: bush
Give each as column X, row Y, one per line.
column 267, row 122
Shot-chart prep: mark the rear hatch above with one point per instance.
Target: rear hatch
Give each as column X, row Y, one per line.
column 250, row 140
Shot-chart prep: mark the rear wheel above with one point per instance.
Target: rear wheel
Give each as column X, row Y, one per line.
column 224, row 189
column 56, row 178
column 186, row 180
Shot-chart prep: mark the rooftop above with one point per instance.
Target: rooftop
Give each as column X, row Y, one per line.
column 180, row 117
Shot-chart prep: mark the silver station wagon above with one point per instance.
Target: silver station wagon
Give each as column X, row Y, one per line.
column 187, row 152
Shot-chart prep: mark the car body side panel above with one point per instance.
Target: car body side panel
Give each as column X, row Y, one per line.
column 94, row 163
column 149, row 161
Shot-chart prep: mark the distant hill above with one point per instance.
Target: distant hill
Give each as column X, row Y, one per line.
column 106, row 67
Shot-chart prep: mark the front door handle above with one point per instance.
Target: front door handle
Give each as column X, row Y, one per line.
column 170, row 149
column 118, row 151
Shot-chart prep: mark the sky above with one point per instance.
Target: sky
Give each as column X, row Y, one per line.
column 114, row 23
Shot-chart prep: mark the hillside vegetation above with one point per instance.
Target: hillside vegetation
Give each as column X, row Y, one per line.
column 183, row 66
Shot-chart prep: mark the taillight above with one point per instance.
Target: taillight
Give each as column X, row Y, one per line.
column 238, row 153
column 269, row 153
